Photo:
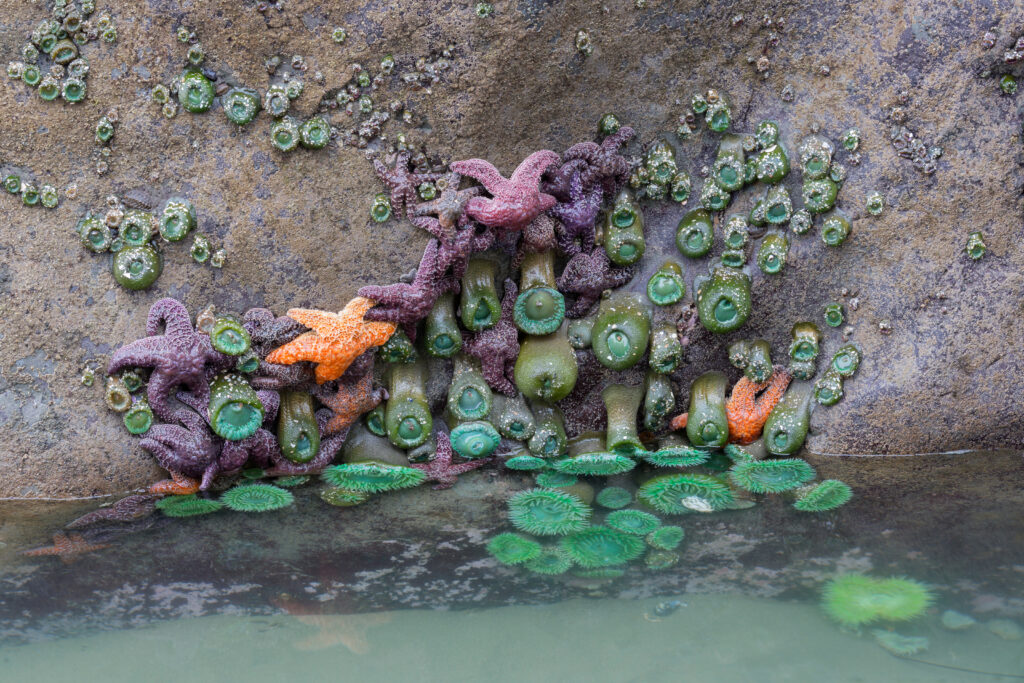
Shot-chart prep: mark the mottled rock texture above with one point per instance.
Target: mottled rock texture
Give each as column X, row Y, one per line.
column 297, row 230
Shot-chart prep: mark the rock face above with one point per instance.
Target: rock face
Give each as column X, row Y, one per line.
column 297, row 230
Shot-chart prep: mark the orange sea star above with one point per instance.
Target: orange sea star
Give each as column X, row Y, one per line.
column 337, row 339
column 747, row 412
column 177, row 485
column 67, row 547
column 350, row 401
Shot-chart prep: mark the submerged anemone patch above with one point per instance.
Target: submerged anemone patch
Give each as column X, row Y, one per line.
column 595, row 464
column 187, row 506
column 525, row 462
column 340, row 497
column 552, row 560
column 614, row 497
column 823, row 496
column 256, row 498
column 632, row 521
column 771, row 476
column 900, row 645
column 666, row 537
column 855, row 599
column 675, row 493
column 677, row 456
column 599, row 546
column 509, row 548
column 555, row 480
column 372, row 477
column 547, row 513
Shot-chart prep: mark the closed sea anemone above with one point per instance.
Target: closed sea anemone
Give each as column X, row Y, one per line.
column 614, row 497
column 855, row 599
column 666, row 537
column 552, row 561
column 509, row 548
column 372, row 477
column 546, row 513
column 771, row 476
column 823, row 496
column 187, row 506
column 599, row 546
column 681, row 493
column 632, row 521
column 256, row 498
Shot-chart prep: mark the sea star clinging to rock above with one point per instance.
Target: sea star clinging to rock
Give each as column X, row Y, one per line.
column 67, row 547
column 441, row 468
column 410, row 302
column 515, row 201
column 587, row 275
column 448, row 207
column 747, row 412
column 350, row 401
column 337, row 339
column 497, row 347
column 401, row 182
column 577, row 215
column 604, row 163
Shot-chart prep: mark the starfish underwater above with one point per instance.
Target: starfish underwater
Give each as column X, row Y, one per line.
column 127, row 509
column 497, row 347
column 334, row 629
column 337, row 339
column 587, row 275
column 515, row 201
column 441, row 468
column 67, row 547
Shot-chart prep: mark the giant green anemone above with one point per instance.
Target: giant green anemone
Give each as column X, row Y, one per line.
column 187, row 506
column 524, row 461
column 681, row 493
column 509, row 548
column 771, row 476
column 632, row 521
column 256, row 498
column 855, row 599
column 547, row 513
column 666, row 537
column 341, row 497
column 372, row 477
column 614, row 497
column 555, row 480
column 596, row 464
column 823, row 496
column 552, row 560
column 599, row 546
column 673, row 451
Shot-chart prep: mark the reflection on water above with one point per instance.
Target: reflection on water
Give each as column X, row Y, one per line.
column 402, row 586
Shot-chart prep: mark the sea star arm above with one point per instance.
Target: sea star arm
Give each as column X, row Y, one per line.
column 528, row 173
column 482, row 171
column 171, row 316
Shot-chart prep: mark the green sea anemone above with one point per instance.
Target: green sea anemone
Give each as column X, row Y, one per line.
column 599, row 546
column 291, row 481
column 621, row 404
column 855, row 599
column 823, row 496
column 771, row 476
column 723, row 300
column 480, row 305
column 632, row 521
column 240, row 105
column 667, row 285
column 476, row 439
column 621, row 331
column 623, row 228
column 657, row 559
column 297, row 430
column 139, row 418
column 509, row 548
column 235, row 410
column 526, row 462
column 256, row 498
column 138, row 267
column 187, row 506
column 673, row 451
column 552, row 560
column 707, row 425
column 666, row 537
column 372, row 477
column 397, row 349
column 342, row 497
column 587, row 456
column 546, row 368
column 666, row 349
column 614, row 497
column 407, row 416
column 786, row 428
column 469, row 396
column 512, row 417
column 555, row 480
column 549, row 439
column 546, row 513
column 441, row 330
column 682, row 493
column 229, row 337
column 695, row 234
column 659, row 401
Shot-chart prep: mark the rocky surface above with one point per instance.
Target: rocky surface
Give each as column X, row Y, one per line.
column 297, row 231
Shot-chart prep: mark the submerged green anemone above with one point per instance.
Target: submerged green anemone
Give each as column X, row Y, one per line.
column 342, row 497
column 681, row 493
column 547, row 513
column 666, row 537
column 599, row 546
column 900, row 645
column 552, row 560
column 256, row 498
column 509, row 548
column 187, row 506
column 555, row 480
column 372, row 477
column 823, row 496
column 855, row 599
column 525, row 462
column 771, row 476
column 600, row 464
column 292, row 481
column 676, row 455
column 614, row 497
column 632, row 521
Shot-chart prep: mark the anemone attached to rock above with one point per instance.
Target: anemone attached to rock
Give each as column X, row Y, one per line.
column 555, row 480
column 599, row 546
column 372, row 477
column 256, row 498
column 823, row 496
column 509, row 548
column 187, row 506
column 552, row 560
column 342, row 497
column 548, row 513
column 666, row 537
column 614, row 497
column 682, row 493
column 771, row 476
column 855, row 599
column 632, row 521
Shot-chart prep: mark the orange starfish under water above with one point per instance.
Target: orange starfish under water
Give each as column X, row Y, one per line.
column 67, row 547
column 747, row 412
column 337, row 339
column 177, row 485
column 350, row 401
column 335, row 629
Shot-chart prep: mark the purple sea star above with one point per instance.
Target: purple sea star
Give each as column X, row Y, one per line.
column 515, row 201
column 127, row 509
column 401, row 182
column 497, row 347
column 179, row 356
column 604, row 163
column 268, row 331
column 441, row 468
column 449, row 207
column 188, row 449
column 408, row 303
column 586, row 275
column 577, row 215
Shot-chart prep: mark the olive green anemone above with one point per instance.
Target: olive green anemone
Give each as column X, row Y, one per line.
column 632, row 521
column 509, row 548
column 682, row 493
column 544, row 512
column 614, row 497
column 551, row 561
column 187, row 506
column 587, row 456
column 674, row 451
column 256, row 498
column 855, row 599
column 771, row 476
column 823, row 496
column 599, row 546
column 666, row 537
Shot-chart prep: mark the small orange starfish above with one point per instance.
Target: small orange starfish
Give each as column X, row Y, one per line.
column 337, row 339
column 177, row 485
column 747, row 412
column 350, row 401
column 67, row 547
